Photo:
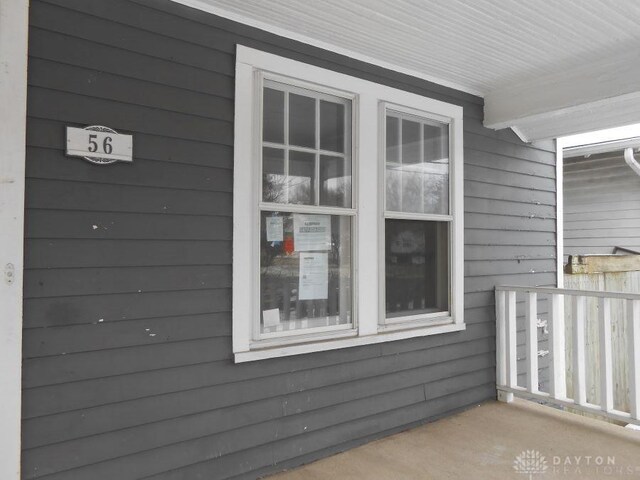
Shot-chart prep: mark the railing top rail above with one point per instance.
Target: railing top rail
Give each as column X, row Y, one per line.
column 568, row 291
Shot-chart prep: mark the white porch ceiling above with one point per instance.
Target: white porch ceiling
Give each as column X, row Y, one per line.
column 545, row 67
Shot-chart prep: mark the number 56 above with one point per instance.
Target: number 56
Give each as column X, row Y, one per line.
column 106, row 144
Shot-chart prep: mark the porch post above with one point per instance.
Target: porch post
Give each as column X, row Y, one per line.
column 14, row 22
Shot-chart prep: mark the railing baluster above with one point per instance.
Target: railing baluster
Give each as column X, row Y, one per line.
column 512, row 356
column 633, row 336
column 532, row 341
column 558, row 387
column 579, row 375
column 606, row 372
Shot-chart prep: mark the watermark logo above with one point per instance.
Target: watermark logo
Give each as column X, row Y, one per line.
column 530, row 462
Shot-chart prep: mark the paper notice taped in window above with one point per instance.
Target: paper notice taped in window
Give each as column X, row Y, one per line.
column 314, row 276
column 271, row 318
column 275, row 228
column 312, row 232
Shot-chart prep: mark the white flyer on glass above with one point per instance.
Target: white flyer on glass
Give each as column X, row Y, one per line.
column 271, row 318
column 275, row 229
column 311, row 232
column 314, row 276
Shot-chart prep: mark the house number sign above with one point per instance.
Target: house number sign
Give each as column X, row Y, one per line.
column 99, row 145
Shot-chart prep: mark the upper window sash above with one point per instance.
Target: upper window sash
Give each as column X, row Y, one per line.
column 301, row 164
column 411, row 174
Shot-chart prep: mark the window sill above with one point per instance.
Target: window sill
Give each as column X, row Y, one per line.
column 388, row 336
column 417, row 322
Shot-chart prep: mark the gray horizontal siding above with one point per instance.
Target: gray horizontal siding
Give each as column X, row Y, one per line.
column 128, row 369
column 601, row 205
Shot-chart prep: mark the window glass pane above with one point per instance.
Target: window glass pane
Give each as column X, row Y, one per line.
column 412, row 192
column 332, row 126
column 273, row 177
column 273, row 116
column 436, row 165
column 302, row 121
column 335, row 181
column 417, row 178
column 305, row 271
column 410, row 142
column 417, row 267
column 394, row 190
column 436, row 188
column 301, row 179
column 393, row 140
column 436, row 142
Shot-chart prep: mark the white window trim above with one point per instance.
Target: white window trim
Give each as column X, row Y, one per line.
column 368, row 97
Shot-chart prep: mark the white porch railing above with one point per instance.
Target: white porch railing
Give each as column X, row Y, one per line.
column 507, row 348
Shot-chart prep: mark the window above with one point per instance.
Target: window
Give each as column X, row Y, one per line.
column 347, row 211
column 306, row 268
column 417, row 238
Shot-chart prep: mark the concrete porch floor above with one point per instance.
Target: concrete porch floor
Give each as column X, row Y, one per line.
column 483, row 442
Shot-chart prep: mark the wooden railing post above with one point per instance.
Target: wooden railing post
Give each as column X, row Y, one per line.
column 501, row 346
column 512, row 344
column 502, row 336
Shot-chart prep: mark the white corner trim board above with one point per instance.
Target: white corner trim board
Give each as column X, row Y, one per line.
column 560, row 212
column 14, row 17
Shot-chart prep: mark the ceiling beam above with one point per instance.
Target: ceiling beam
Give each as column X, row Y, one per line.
column 598, row 95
